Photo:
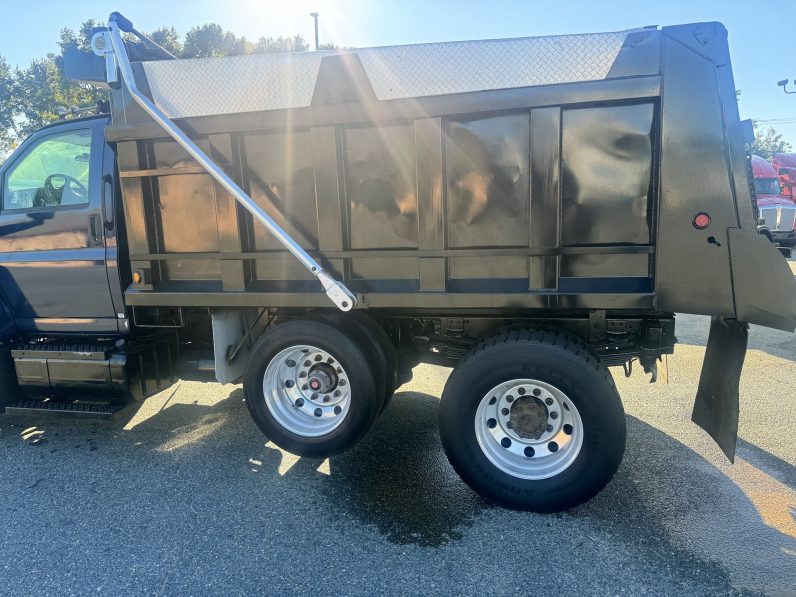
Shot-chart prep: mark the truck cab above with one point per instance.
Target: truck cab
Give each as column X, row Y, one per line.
column 785, row 166
column 777, row 210
column 59, row 262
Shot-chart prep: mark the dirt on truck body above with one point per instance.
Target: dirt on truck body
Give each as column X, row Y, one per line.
column 530, row 211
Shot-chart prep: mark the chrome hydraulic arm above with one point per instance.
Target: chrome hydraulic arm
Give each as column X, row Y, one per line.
column 111, row 45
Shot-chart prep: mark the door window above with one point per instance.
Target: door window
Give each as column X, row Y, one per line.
column 54, row 172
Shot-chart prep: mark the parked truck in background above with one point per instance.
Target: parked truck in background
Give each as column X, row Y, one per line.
column 777, row 211
column 785, row 166
column 529, row 211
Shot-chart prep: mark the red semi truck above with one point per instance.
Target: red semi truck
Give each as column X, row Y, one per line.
column 784, row 165
column 777, row 210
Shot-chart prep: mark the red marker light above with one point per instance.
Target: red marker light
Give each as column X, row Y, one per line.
column 701, row 221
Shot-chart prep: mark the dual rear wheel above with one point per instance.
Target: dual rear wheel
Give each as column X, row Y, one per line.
column 314, row 387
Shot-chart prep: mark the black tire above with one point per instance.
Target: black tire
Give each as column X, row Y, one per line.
column 364, row 401
column 377, row 342
column 556, row 358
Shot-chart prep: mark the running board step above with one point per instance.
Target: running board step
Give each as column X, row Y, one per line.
column 53, row 408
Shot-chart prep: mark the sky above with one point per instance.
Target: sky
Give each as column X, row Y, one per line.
column 762, row 33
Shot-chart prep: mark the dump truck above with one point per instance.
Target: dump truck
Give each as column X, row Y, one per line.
column 529, row 212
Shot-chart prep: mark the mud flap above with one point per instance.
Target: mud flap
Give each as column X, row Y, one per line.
column 716, row 404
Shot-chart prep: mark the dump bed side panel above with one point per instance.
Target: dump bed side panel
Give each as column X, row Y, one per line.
column 460, row 204
column 694, row 179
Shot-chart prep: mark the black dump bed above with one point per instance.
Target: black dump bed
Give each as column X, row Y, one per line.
column 550, row 173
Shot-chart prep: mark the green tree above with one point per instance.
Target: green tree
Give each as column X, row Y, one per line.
column 769, row 142
column 168, row 38
column 267, row 45
column 211, row 40
column 8, row 131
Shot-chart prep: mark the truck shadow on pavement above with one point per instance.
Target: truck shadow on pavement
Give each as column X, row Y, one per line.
column 398, row 479
column 665, row 499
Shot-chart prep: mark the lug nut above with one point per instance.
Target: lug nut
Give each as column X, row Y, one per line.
column 509, row 398
column 505, row 442
column 548, row 401
column 554, row 415
column 318, row 412
column 327, row 398
column 337, row 393
column 537, row 392
column 552, row 446
column 521, row 391
column 504, row 412
column 307, row 363
column 289, row 383
column 300, row 402
column 529, row 452
column 491, row 423
column 549, row 428
column 337, row 410
column 568, row 429
column 318, row 357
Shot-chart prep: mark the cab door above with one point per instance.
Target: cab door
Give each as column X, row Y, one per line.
column 52, row 247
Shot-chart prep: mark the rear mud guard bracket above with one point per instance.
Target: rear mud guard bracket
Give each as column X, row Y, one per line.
column 716, row 405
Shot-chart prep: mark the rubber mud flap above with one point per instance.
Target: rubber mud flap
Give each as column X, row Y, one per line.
column 716, row 404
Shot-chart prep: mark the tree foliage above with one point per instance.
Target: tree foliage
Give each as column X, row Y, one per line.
column 211, row 40
column 8, row 128
column 168, row 38
column 769, row 142
column 30, row 96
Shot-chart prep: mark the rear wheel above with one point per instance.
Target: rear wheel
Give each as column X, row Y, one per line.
column 531, row 420
column 310, row 388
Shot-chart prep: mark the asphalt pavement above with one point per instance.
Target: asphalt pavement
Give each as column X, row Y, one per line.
column 185, row 496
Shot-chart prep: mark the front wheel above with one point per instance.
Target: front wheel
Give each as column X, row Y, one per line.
column 531, row 420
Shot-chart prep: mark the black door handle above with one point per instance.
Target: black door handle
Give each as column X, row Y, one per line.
column 95, row 239
column 107, row 201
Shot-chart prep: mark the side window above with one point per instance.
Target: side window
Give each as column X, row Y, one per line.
column 53, row 172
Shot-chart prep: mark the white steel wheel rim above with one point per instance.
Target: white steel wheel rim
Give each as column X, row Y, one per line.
column 299, row 408
column 512, row 413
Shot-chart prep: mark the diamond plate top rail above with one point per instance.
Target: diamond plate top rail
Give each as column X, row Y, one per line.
column 262, row 82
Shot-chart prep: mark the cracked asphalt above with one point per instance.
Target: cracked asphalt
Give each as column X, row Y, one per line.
column 184, row 496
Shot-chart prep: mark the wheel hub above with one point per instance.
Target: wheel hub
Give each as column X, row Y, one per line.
column 529, row 428
column 307, row 390
column 322, row 378
column 528, row 417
